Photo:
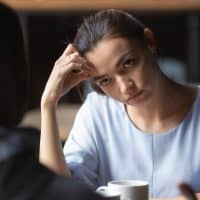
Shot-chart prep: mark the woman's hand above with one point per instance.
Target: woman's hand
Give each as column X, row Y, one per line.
column 69, row 70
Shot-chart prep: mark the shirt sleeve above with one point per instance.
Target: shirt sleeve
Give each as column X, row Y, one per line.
column 80, row 149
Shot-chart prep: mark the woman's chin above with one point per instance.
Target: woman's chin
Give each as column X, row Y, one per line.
column 139, row 100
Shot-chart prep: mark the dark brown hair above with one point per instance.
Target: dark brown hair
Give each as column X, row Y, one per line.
column 107, row 24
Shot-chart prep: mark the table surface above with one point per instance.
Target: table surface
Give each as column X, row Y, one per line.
column 65, row 116
column 145, row 5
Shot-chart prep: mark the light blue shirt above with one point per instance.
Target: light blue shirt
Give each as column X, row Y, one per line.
column 105, row 145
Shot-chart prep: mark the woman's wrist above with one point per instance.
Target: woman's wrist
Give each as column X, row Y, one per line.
column 48, row 103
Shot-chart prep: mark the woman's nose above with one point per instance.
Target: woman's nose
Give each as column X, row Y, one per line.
column 125, row 84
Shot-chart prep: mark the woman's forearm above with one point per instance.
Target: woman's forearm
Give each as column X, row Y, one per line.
column 51, row 153
column 69, row 70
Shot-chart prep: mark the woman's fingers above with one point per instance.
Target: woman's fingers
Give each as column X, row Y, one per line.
column 73, row 63
column 74, row 57
column 69, row 50
column 69, row 70
column 74, row 69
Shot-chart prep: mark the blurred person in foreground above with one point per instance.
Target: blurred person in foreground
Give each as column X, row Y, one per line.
column 136, row 124
column 21, row 175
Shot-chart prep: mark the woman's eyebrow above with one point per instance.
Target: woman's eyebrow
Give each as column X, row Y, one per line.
column 118, row 63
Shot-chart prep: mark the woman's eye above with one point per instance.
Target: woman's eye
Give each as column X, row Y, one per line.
column 129, row 62
column 104, row 82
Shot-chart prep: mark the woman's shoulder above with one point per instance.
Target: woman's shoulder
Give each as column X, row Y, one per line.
column 193, row 94
column 193, row 91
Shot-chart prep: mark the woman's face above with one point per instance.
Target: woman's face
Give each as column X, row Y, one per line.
column 124, row 70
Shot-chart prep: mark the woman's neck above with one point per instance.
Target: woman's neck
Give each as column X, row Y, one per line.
column 167, row 107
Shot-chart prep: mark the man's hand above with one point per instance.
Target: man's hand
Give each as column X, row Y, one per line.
column 186, row 191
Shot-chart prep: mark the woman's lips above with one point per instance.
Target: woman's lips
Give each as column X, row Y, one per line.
column 134, row 96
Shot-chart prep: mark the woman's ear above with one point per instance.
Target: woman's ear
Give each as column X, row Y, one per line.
column 150, row 40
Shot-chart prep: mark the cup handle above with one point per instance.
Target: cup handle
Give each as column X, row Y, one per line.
column 101, row 188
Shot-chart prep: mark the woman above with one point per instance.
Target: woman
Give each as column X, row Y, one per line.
column 138, row 124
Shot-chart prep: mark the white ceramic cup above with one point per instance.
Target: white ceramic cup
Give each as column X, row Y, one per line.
column 109, row 194
column 128, row 189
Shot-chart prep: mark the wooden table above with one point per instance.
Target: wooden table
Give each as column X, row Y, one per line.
column 45, row 5
column 65, row 115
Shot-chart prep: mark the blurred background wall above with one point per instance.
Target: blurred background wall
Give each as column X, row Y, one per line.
column 50, row 25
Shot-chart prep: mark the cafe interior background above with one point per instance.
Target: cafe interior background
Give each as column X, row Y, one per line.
column 49, row 25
